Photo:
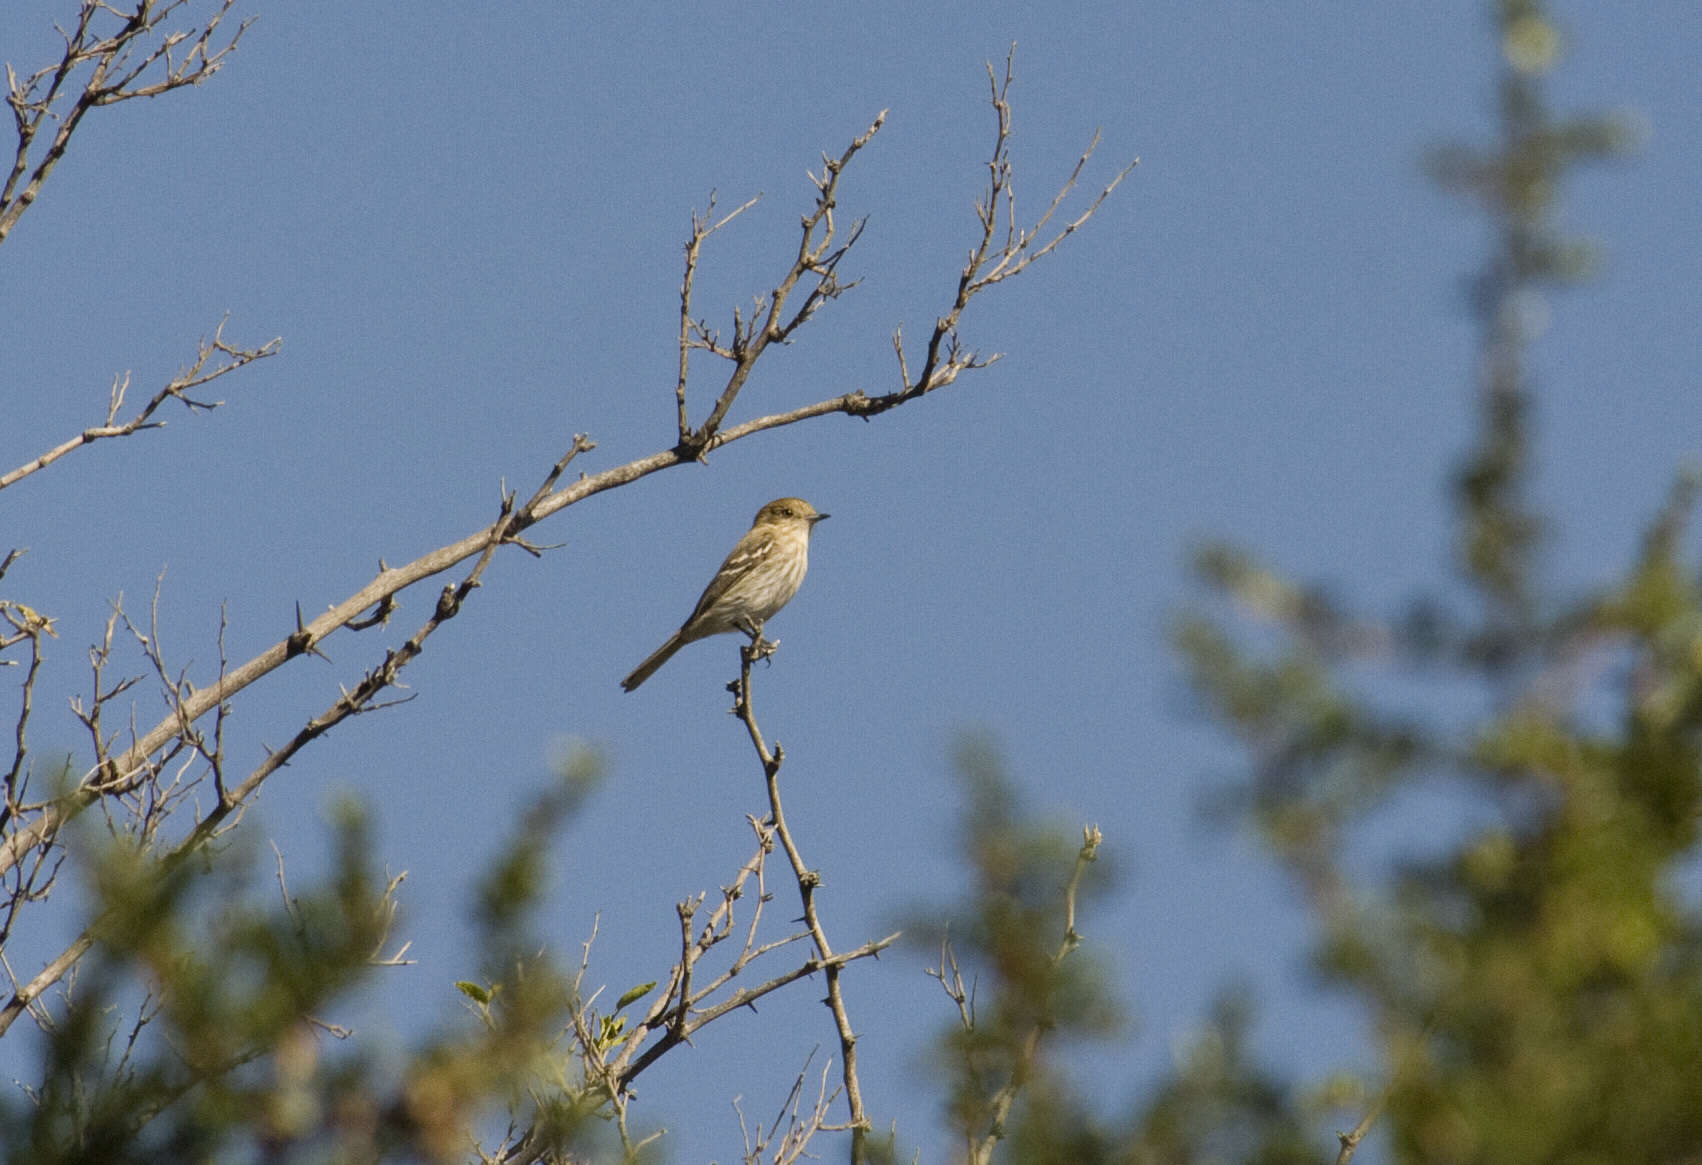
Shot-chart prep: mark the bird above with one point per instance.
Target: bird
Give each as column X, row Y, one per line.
column 758, row 578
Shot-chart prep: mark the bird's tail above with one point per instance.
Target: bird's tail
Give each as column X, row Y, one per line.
column 657, row 658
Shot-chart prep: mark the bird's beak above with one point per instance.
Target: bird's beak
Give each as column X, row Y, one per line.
column 819, row 517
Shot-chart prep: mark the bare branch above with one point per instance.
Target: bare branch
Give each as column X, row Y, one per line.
column 138, row 768
column 134, row 772
column 215, row 358
column 818, row 256
column 25, row 996
column 612, row 1054
column 951, row 982
column 693, row 332
column 141, row 56
column 116, row 775
column 1407, row 1057
column 800, row 1126
column 808, row 881
column 1350, row 1140
column 993, row 259
column 31, row 881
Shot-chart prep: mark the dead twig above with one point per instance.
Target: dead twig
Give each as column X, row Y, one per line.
column 215, row 358
column 808, row 881
column 127, row 53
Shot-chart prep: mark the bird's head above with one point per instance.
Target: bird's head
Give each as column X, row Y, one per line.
column 787, row 511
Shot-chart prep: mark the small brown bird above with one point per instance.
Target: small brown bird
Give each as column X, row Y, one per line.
column 759, row 577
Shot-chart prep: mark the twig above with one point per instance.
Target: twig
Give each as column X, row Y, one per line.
column 816, row 256
column 693, row 333
column 118, row 65
column 1351, row 1139
column 178, row 388
column 681, row 1008
column 992, row 260
column 808, row 881
column 981, row 1151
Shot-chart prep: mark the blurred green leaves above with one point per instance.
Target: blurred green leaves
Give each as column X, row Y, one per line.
column 202, row 1024
column 1536, row 976
column 226, row 998
column 1035, row 1004
column 1029, row 993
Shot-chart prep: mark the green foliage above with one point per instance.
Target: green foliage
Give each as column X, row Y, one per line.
column 220, row 1041
column 1537, row 980
column 199, row 1027
column 477, row 992
column 1030, row 990
column 1218, row 1106
column 633, row 994
column 1036, row 998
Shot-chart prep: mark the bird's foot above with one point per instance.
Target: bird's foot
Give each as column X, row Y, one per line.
column 759, row 648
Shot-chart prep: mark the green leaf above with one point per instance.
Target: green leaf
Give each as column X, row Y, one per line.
column 473, row 991
column 634, row 994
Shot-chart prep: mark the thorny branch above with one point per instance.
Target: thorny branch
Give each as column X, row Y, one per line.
column 808, row 881
column 819, row 253
column 363, row 697
column 694, row 333
column 613, row 1049
column 137, row 768
column 993, row 259
column 998, row 254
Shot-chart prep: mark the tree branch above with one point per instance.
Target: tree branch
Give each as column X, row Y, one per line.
column 808, row 881
column 177, row 388
column 612, row 1056
column 122, row 64
column 352, row 702
column 693, row 332
column 817, row 256
column 119, row 773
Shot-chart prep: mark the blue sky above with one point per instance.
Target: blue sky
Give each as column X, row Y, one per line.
column 468, row 234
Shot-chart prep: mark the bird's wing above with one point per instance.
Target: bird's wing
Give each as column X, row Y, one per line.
column 755, row 548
